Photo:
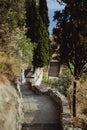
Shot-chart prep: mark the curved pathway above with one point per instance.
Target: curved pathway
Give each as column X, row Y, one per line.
column 40, row 112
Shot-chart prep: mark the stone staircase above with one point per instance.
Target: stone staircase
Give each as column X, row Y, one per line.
column 54, row 68
column 54, row 65
column 40, row 127
column 65, row 111
column 40, row 111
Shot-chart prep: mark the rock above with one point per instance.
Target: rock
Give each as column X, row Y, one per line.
column 11, row 114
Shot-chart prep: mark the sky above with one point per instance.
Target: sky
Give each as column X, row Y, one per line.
column 53, row 6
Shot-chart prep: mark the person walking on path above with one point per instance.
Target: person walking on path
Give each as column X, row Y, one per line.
column 22, row 77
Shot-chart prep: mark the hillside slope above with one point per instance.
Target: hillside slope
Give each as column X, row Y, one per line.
column 11, row 115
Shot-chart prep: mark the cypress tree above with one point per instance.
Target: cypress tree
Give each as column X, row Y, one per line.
column 41, row 53
column 43, row 10
column 38, row 33
column 31, row 19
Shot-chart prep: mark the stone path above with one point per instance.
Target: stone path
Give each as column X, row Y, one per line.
column 65, row 112
column 40, row 112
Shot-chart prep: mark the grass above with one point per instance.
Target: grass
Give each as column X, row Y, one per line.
column 52, row 82
column 62, row 83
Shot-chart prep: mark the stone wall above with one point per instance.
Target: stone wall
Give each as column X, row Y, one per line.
column 11, row 115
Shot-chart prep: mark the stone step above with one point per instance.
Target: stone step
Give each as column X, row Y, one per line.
column 41, row 127
column 54, row 69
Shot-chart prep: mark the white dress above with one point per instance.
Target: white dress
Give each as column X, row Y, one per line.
column 22, row 77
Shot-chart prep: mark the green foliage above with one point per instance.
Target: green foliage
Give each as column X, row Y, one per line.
column 25, row 47
column 38, row 33
column 12, row 28
column 72, row 31
column 15, row 48
column 12, row 16
column 43, row 10
column 44, row 77
column 65, row 79
column 13, row 13
column 62, row 83
column 52, row 82
column 84, row 75
column 41, row 55
column 32, row 20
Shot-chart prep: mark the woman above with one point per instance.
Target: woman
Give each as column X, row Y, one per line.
column 22, row 77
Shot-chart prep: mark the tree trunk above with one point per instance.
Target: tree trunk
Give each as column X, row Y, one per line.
column 74, row 98
column 34, row 68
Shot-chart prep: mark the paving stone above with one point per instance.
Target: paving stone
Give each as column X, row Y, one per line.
column 39, row 109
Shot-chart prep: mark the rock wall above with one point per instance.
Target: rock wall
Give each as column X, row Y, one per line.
column 11, row 115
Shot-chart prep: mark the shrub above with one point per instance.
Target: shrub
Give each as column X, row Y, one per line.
column 53, row 82
column 64, row 80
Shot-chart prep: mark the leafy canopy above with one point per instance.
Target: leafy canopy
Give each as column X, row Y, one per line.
column 71, row 32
